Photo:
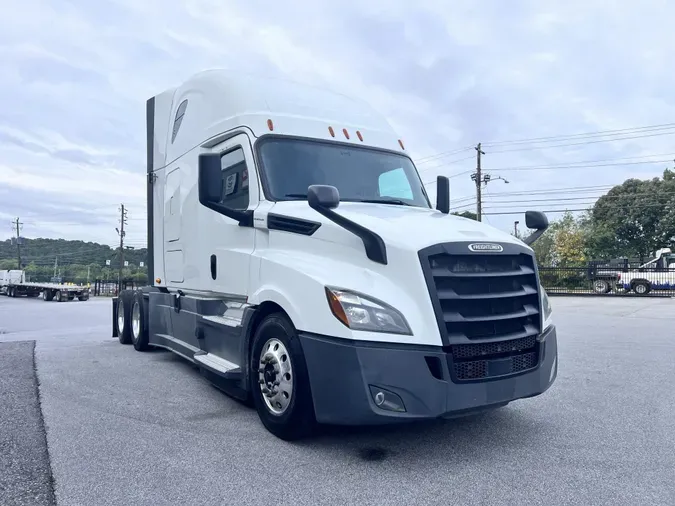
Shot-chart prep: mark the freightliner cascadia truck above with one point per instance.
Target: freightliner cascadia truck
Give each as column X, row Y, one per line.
column 296, row 259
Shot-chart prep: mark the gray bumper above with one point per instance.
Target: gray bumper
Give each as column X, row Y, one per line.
column 343, row 374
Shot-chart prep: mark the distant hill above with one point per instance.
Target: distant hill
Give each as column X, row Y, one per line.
column 73, row 259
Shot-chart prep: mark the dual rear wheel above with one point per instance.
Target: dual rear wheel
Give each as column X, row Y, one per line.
column 131, row 324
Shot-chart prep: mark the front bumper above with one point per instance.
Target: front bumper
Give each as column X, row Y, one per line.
column 345, row 374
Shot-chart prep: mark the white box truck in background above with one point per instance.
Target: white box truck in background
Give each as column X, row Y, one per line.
column 295, row 258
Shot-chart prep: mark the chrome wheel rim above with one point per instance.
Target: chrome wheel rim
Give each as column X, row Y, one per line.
column 120, row 316
column 275, row 376
column 136, row 319
column 600, row 286
column 640, row 288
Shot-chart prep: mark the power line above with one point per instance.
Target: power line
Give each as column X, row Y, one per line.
column 597, row 133
column 530, row 148
column 633, row 206
column 567, row 167
column 425, row 159
column 623, row 133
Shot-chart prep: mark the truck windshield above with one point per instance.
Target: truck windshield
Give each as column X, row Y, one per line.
column 359, row 174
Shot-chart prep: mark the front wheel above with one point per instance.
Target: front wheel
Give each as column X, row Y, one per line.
column 601, row 286
column 642, row 287
column 279, row 380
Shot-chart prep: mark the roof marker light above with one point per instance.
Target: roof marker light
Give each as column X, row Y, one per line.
column 400, row 143
column 358, row 134
column 344, row 131
column 331, row 131
column 270, row 125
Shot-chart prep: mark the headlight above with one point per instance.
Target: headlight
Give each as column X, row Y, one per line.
column 359, row 312
column 546, row 309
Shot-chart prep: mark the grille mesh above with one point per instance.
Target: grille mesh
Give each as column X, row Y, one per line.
column 479, row 369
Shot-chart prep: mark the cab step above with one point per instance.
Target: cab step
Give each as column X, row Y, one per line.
column 220, row 366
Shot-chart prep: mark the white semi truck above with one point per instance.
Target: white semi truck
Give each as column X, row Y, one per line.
column 296, row 259
column 13, row 284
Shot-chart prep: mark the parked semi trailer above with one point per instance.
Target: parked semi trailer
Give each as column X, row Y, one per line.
column 13, row 284
column 296, row 259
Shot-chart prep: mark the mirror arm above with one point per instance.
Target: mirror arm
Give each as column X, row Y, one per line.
column 245, row 218
column 534, row 236
column 373, row 243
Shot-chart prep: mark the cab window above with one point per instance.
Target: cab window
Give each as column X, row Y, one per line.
column 235, row 179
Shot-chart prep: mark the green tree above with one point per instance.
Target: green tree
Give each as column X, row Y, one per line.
column 634, row 218
column 76, row 261
column 564, row 243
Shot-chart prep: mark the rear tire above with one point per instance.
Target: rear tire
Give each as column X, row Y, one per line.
column 277, row 359
column 124, row 317
column 48, row 295
column 138, row 327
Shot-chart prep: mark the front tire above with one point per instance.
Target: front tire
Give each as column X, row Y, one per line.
column 642, row 287
column 279, row 380
column 601, row 286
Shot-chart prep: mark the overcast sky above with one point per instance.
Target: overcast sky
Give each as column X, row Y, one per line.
column 447, row 74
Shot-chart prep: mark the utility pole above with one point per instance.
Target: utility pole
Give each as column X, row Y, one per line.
column 479, row 178
column 515, row 228
column 120, row 231
column 17, row 225
column 479, row 182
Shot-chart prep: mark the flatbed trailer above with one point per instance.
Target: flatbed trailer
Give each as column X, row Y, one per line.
column 15, row 286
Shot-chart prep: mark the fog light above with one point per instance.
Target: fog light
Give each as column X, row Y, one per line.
column 387, row 400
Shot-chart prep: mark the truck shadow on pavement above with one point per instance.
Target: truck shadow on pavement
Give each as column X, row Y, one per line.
column 505, row 430
column 513, row 428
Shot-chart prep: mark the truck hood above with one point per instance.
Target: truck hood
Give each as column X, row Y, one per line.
column 402, row 226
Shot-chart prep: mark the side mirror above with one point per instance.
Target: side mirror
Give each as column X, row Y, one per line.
column 321, row 196
column 539, row 222
column 443, row 194
column 536, row 220
column 210, row 179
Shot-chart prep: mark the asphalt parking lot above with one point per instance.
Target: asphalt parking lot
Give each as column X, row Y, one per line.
column 128, row 428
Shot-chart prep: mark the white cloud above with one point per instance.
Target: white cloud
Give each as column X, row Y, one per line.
column 446, row 74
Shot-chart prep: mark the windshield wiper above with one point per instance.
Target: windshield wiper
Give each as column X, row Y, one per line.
column 396, row 202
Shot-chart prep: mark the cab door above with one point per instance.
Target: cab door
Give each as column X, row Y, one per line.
column 232, row 244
